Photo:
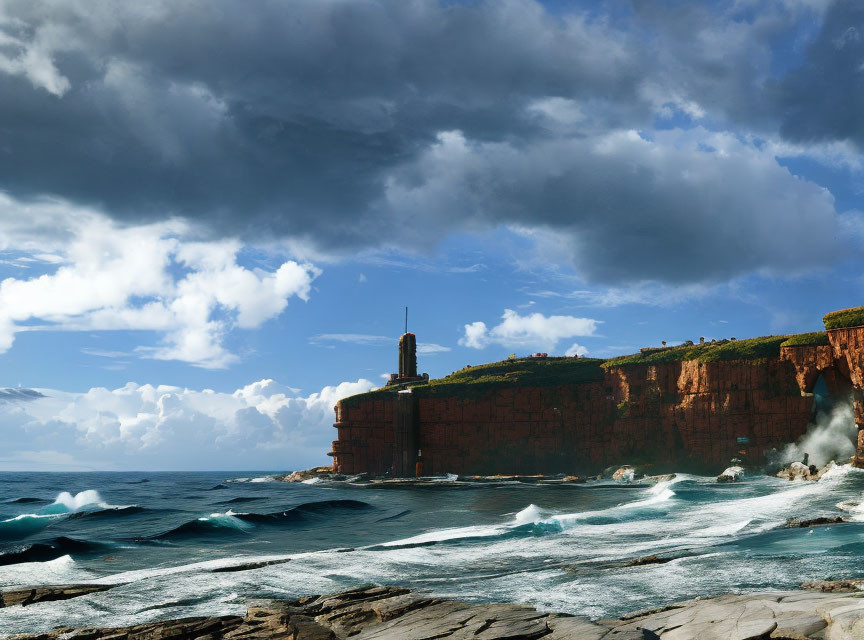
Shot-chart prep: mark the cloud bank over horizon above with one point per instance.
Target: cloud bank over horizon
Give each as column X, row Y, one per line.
column 263, row 425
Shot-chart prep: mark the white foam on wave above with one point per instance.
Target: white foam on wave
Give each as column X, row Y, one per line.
column 722, row 530
column 854, row 508
column 205, row 566
column 58, row 571
column 257, row 479
column 311, row 481
column 227, row 519
column 532, row 514
column 65, row 502
column 528, row 515
column 660, row 494
column 839, row 472
column 31, row 516
column 657, row 495
column 443, row 535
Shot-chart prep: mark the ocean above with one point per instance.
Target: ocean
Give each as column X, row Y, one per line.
column 166, row 540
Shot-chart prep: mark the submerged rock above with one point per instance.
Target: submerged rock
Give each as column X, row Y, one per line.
column 731, row 474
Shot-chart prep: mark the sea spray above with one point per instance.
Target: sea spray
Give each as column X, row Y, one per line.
column 67, row 503
column 831, row 436
column 528, row 515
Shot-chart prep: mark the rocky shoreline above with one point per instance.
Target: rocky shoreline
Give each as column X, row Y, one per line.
column 829, row 610
column 623, row 475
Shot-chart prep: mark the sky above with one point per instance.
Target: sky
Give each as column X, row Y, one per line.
column 213, row 213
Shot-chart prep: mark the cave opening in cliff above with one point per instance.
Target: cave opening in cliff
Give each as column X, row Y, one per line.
column 832, row 433
column 822, row 397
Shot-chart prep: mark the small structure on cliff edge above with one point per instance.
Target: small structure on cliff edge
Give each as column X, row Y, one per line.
column 407, row 362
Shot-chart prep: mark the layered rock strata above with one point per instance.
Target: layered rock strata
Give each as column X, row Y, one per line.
column 392, row 613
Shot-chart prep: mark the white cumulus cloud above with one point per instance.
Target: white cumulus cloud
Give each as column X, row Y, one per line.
column 576, row 350
column 263, row 425
column 154, row 277
column 529, row 331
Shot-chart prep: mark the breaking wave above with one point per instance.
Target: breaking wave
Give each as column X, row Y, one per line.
column 231, row 522
column 50, row 550
column 66, row 505
column 25, row 525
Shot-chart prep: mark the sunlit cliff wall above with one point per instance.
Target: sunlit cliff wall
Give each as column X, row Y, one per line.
column 684, row 415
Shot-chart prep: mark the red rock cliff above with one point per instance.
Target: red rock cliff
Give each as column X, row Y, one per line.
column 681, row 414
column 842, row 364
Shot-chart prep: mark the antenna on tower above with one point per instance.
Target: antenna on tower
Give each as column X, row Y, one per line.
column 406, row 319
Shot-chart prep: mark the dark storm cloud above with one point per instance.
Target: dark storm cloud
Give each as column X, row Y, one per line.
column 823, row 100
column 322, row 120
column 629, row 208
column 288, row 115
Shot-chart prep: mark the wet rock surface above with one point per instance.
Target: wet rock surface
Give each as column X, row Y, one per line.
column 731, row 474
column 248, row 566
column 32, row 595
column 853, row 585
column 395, row 613
column 366, row 480
column 306, row 474
column 801, row 471
column 814, row 522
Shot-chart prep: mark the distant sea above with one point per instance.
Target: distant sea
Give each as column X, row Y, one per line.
column 560, row 547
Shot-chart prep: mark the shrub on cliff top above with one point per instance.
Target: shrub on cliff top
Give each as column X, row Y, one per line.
column 844, row 318
column 754, row 348
column 815, row 339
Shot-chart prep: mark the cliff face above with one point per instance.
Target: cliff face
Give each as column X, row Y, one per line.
column 682, row 414
column 841, row 362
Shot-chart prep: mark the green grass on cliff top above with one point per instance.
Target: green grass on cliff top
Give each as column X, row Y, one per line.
column 817, row 338
column 539, row 372
column 753, row 348
column 527, row 372
column 844, row 318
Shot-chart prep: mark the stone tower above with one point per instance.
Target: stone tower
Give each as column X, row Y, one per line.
column 408, row 356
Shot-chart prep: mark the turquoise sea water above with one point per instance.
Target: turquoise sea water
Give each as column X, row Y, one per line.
column 557, row 546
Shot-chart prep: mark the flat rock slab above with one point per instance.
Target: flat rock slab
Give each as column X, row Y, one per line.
column 32, row 595
column 394, row 613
